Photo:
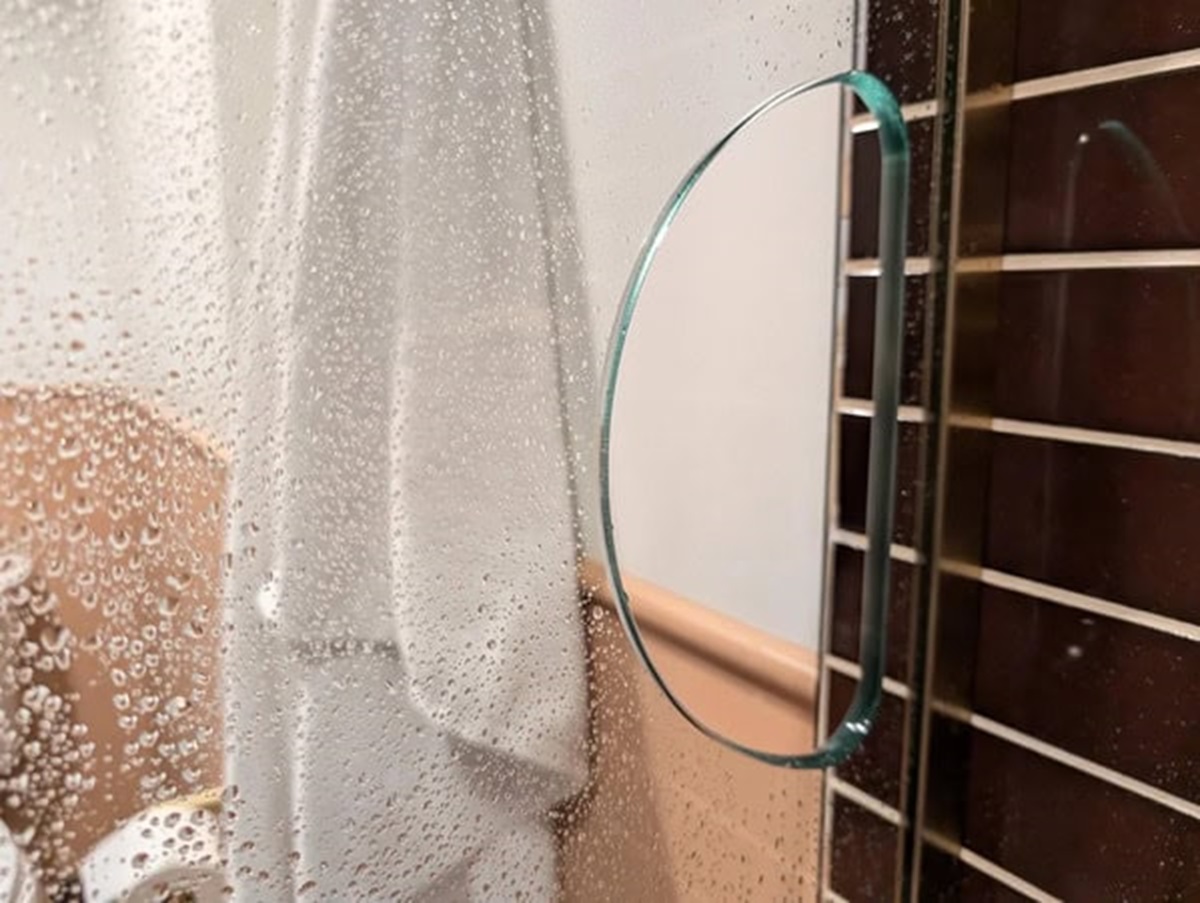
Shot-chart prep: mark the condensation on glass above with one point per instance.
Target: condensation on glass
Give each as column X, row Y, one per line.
column 302, row 308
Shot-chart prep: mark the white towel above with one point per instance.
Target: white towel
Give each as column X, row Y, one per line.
column 18, row 880
column 175, row 845
column 403, row 514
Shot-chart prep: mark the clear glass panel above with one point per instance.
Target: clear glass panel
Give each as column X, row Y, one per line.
column 302, row 309
column 727, row 383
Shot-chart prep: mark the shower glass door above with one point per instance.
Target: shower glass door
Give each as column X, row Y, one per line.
column 303, row 313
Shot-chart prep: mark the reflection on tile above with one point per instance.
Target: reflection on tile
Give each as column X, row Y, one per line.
column 1107, row 167
column 1112, row 692
column 1064, row 35
column 1116, row 350
column 1108, row 522
column 855, row 447
column 864, row 214
column 847, row 610
column 875, row 767
column 1072, row 835
column 860, row 338
column 863, row 853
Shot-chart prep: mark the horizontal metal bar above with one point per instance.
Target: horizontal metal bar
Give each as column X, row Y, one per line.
column 1049, row 261
column 1067, row 758
column 987, row 867
column 1057, row 432
column 912, row 112
column 1080, row 260
column 1071, row 599
column 864, row 800
column 861, row 267
column 858, row 541
column 1059, row 83
column 848, row 668
column 1145, row 67
column 865, row 407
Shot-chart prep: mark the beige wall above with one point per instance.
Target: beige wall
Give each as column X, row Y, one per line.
column 671, row 815
column 111, row 639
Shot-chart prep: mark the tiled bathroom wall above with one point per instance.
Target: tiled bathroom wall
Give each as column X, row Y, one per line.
column 1045, row 620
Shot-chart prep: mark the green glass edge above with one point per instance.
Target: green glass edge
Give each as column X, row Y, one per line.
column 881, row 477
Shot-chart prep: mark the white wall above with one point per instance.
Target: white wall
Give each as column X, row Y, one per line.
column 644, row 87
column 721, row 430
column 112, row 258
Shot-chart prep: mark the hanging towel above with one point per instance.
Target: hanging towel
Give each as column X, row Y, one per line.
column 403, row 605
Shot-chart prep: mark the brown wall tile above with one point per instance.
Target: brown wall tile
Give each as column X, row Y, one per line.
column 1106, row 690
column 855, row 447
column 1063, row 35
column 1073, row 835
column 902, row 43
column 949, row 757
column 1112, row 350
column 860, row 339
column 862, row 854
column 864, row 215
column 1137, row 185
column 1113, row 523
column 876, row 765
column 847, row 610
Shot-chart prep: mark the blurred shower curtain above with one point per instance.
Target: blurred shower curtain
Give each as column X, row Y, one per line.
column 319, row 231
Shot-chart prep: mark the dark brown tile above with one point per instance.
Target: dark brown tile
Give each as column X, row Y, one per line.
column 1073, row 835
column 1104, row 689
column 863, row 850
column 992, row 39
column 1112, row 350
column 864, row 213
column 902, row 40
column 955, row 637
column 1064, row 35
column 946, row 879
column 947, row 775
column 847, row 610
column 855, row 447
column 1108, row 167
column 875, row 767
column 1113, row 523
column 860, row 339
column 983, row 198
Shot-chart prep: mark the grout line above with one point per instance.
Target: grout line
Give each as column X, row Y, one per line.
column 832, row 896
column 922, row 109
column 1059, row 83
column 865, row 801
column 1079, row 260
column 1172, row 258
column 1161, row 64
column 858, row 267
column 1071, row 760
column 989, row 868
column 1074, row 434
column 865, row 407
column 1070, row 599
column 852, row 540
column 848, row 668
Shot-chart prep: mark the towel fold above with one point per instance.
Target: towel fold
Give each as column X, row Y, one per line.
column 400, row 470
